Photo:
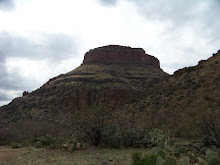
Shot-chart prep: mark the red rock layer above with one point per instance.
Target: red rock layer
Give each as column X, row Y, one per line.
column 115, row 53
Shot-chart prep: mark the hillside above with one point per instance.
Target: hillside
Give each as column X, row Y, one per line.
column 109, row 77
column 126, row 88
column 182, row 103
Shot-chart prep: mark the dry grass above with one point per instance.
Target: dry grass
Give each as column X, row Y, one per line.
column 92, row 156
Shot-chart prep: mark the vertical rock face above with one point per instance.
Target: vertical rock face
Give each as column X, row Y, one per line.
column 115, row 53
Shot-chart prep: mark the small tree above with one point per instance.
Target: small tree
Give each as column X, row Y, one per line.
column 93, row 122
column 209, row 125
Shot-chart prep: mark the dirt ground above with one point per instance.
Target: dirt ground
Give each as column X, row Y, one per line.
column 42, row 156
column 7, row 154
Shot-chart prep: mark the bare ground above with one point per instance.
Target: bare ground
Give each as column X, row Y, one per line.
column 7, row 154
column 91, row 156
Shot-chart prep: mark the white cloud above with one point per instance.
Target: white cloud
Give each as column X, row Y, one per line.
column 28, row 63
column 108, row 2
column 40, row 39
column 6, row 5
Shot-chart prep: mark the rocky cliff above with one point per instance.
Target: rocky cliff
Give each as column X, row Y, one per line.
column 115, row 53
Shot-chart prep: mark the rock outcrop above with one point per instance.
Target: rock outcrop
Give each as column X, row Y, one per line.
column 116, row 53
column 110, row 77
column 25, row 93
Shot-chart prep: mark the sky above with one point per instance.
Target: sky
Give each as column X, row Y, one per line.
column 41, row 39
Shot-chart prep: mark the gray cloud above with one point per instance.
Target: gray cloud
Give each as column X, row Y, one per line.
column 7, row 4
column 177, row 11
column 197, row 15
column 6, row 96
column 53, row 48
column 16, row 82
column 190, row 27
column 108, row 2
column 3, row 71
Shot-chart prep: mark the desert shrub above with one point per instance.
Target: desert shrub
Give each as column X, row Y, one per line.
column 170, row 161
column 138, row 159
column 167, row 153
column 26, row 143
column 214, row 161
column 182, row 150
column 2, row 143
column 46, row 141
column 37, row 145
column 208, row 123
column 111, row 137
column 15, row 145
column 156, row 135
column 135, row 137
column 94, row 124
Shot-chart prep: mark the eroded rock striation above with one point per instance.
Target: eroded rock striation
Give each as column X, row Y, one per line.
column 116, row 53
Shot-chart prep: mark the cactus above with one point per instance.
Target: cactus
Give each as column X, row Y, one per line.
column 184, row 161
column 201, row 163
column 214, row 161
column 138, row 159
column 160, row 161
column 155, row 150
column 182, row 150
column 161, row 145
column 208, row 151
column 176, row 154
column 161, row 154
column 170, row 161
column 210, row 155
column 167, row 150
column 171, row 143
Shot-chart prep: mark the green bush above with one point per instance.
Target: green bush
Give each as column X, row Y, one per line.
column 37, row 145
column 161, row 154
column 135, row 138
column 176, row 154
column 170, row 161
column 160, row 161
column 26, row 143
column 138, row 159
column 2, row 143
column 157, row 135
column 14, row 145
column 184, row 161
column 171, row 143
column 46, row 141
column 111, row 138
column 182, row 150
column 161, row 145
column 167, row 153
column 155, row 150
column 214, row 161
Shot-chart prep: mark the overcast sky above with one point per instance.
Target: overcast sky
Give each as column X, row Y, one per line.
column 40, row 39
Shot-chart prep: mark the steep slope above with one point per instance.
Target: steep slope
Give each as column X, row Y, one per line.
column 110, row 76
column 181, row 103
